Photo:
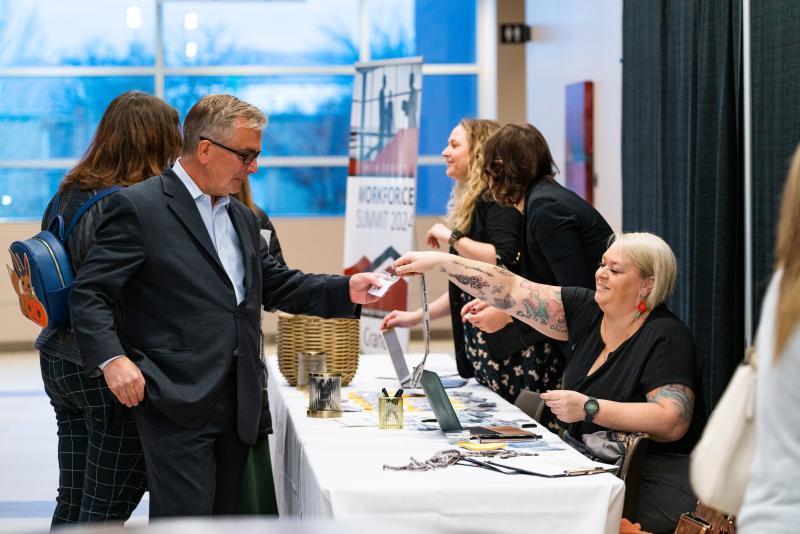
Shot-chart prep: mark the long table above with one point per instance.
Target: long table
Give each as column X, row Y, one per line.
column 325, row 469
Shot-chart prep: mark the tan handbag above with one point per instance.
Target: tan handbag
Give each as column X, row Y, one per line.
column 720, row 466
column 705, row 520
column 689, row 523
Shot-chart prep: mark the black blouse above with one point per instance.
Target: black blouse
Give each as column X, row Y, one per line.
column 564, row 237
column 501, row 227
column 563, row 240
column 661, row 352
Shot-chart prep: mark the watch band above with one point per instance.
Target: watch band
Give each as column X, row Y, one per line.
column 455, row 235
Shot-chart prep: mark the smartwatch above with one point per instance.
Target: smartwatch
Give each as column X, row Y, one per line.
column 455, row 236
column 590, row 409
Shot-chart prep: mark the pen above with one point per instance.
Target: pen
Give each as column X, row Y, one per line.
column 384, row 392
column 398, row 393
column 587, row 471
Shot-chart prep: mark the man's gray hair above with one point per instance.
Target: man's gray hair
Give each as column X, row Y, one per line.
column 215, row 117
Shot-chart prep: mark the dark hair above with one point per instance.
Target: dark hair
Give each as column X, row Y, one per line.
column 138, row 136
column 516, row 157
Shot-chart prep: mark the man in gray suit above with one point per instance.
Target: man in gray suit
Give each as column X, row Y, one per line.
column 168, row 304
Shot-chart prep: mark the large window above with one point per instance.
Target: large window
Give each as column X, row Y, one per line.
column 61, row 63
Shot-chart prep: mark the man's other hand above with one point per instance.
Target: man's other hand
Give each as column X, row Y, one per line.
column 125, row 381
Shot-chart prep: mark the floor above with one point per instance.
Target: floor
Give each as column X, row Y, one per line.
column 28, row 466
column 28, row 448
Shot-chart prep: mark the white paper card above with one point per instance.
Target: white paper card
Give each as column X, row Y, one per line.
column 387, row 281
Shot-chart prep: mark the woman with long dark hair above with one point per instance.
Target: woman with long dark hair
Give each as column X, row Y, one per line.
column 102, row 475
column 562, row 240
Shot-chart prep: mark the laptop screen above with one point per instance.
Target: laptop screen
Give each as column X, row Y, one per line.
column 440, row 403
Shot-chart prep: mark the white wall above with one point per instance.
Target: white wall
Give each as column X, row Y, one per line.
column 572, row 41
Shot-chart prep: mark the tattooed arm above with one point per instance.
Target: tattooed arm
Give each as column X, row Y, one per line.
column 538, row 305
column 665, row 416
column 677, row 402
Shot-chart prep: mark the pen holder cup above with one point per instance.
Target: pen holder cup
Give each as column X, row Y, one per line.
column 390, row 412
column 309, row 362
column 324, row 394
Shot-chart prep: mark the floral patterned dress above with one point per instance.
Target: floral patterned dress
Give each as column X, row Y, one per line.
column 538, row 367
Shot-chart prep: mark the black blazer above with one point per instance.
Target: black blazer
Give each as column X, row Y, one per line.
column 500, row 226
column 265, row 223
column 177, row 318
column 563, row 240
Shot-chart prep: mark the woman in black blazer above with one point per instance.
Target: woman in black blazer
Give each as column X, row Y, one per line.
column 562, row 240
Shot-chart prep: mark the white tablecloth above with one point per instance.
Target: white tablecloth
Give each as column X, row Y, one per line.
column 324, row 469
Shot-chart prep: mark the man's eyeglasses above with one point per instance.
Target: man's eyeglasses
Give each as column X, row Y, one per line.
column 246, row 157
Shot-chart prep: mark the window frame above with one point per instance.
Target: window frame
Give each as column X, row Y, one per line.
column 485, row 70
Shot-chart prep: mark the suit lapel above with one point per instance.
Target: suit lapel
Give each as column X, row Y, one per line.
column 185, row 209
column 241, row 225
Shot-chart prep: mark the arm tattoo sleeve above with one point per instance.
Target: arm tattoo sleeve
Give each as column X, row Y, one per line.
column 501, row 271
column 543, row 309
column 473, row 282
column 682, row 397
column 477, row 269
column 505, row 303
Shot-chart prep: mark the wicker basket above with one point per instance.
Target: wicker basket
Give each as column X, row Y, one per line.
column 337, row 338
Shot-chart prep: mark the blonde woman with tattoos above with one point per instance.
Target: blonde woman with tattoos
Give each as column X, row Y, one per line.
column 633, row 365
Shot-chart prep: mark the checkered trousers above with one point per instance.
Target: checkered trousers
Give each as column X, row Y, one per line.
column 102, row 474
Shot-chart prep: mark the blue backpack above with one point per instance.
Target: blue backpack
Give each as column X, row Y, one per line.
column 42, row 274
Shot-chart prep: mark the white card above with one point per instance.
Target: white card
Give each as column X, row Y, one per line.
column 387, row 281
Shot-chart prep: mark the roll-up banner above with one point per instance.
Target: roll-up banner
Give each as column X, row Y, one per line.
column 382, row 181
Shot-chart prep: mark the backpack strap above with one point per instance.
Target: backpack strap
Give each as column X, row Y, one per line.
column 53, row 211
column 55, row 222
column 85, row 206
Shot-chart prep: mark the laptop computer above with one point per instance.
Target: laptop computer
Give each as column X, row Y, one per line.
column 448, row 420
column 401, row 368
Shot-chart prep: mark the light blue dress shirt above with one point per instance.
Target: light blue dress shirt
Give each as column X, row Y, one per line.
column 220, row 228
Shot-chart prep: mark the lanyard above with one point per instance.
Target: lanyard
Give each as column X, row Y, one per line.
column 510, row 470
column 416, row 376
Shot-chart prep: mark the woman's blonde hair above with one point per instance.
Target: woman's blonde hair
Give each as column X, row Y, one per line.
column 245, row 194
column 461, row 205
column 653, row 257
column 787, row 257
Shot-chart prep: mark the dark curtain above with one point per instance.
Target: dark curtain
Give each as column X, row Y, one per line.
column 775, row 72
column 682, row 165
